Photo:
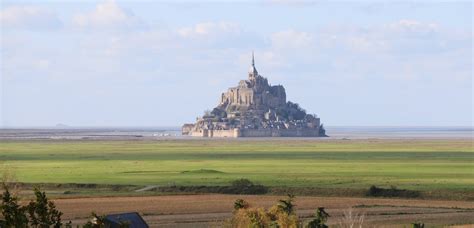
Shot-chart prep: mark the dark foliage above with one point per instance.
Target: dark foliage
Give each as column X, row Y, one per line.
column 219, row 113
column 286, row 205
column 320, row 218
column 294, row 111
column 244, row 186
column 38, row 213
column 322, row 130
column 391, row 192
column 42, row 212
column 241, row 186
column 418, row 225
column 13, row 214
column 241, row 204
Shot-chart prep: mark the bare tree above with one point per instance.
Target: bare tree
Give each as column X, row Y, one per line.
column 9, row 180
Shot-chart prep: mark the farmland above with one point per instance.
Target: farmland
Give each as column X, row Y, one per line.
column 355, row 164
column 82, row 175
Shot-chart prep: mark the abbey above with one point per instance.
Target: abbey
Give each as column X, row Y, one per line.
column 255, row 108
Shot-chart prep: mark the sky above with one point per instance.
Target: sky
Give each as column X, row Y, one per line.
column 163, row 63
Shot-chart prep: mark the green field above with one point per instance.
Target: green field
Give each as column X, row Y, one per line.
column 408, row 164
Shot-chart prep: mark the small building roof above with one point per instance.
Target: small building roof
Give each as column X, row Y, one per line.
column 132, row 219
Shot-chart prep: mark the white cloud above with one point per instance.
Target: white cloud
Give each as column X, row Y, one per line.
column 291, row 39
column 209, row 29
column 108, row 15
column 412, row 26
column 29, row 17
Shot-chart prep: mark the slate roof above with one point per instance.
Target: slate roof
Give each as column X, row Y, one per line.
column 133, row 219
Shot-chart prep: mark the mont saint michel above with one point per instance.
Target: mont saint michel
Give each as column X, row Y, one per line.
column 255, row 108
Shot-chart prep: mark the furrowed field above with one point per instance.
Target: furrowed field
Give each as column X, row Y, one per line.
column 408, row 164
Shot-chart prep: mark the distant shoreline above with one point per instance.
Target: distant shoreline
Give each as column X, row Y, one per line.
column 159, row 133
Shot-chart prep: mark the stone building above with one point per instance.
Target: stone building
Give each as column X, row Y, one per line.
column 254, row 108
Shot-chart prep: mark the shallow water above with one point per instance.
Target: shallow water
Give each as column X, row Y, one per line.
column 349, row 132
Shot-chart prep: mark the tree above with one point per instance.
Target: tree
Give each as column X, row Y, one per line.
column 13, row 213
column 42, row 212
column 241, row 204
column 286, row 205
column 279, row 215
column 322, row 130
column 321, row 216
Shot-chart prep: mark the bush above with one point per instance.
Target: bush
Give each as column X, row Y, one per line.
column 320, row 218
column 391, row 192
column 250, row 217
column 38, row 213
column 42, row 212
column 279, row 215
column 14, row 215
column 241, row 204
column 253, row 189
column 418, row 225
column 244, row 186
column 286, row 205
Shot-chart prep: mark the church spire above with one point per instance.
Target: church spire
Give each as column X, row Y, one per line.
column 253, row 60
column 253, row 71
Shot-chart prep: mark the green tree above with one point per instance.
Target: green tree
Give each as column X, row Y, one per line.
column 321, row 216
column 241, row 204
column 13, row 213
column 42, row 212
column 286, row 205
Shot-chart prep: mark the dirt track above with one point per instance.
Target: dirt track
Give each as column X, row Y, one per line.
column 211, row 210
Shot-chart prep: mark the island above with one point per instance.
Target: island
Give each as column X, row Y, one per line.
column 255, row 108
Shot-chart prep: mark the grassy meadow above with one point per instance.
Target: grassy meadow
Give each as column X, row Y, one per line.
column 408, row 164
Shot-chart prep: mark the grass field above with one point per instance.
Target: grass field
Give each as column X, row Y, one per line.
column 409, row 164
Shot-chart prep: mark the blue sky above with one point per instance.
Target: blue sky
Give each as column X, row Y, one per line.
column 148, row 63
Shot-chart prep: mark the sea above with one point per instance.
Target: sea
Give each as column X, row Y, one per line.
column 151, row 133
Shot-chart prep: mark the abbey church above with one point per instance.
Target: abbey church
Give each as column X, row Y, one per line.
column 255, row 108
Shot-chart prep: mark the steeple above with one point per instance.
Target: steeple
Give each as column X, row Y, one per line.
column 253, row 60
column 253, row 71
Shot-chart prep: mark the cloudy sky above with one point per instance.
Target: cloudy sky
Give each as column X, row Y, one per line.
column 148, row 63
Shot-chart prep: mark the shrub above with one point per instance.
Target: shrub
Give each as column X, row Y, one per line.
column 42, row 212
column 38, row 213
column 250, row 217
column 13, row 214
column 417, row 225
column 280, row 218
column 286, row 205
column 241, row 204
column 244, row 186
column 320, row 218
column 285, row 220
column 253, row 189
column 391, row 192
column 279, row 215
